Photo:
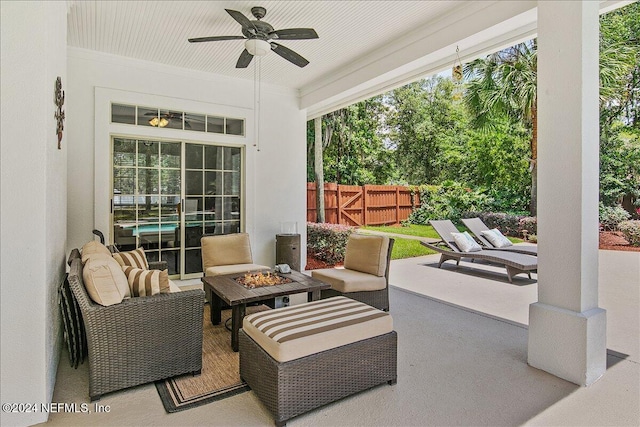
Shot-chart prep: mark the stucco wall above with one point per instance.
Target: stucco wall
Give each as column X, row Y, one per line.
column 275, row 175
column 34, row 202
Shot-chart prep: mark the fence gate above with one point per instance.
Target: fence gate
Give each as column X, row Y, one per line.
column 366, row 205
column 351, row 205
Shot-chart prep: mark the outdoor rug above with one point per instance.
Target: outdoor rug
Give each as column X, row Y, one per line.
column 220, row 376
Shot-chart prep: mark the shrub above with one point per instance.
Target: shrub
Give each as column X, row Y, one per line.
column 631, row 231
column 328, row 242
column 447, row 201
column 508, row 224
column 529, row 223
column 611, row 216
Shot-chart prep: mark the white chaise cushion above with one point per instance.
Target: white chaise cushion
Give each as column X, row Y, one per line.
column 496, row 238
column 465, row 242
column 345, row 280
column 297, row 331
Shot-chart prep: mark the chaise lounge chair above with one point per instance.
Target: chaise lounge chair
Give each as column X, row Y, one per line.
column 477, row 227
column 515, row 263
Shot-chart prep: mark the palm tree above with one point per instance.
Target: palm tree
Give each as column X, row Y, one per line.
column 504, row 83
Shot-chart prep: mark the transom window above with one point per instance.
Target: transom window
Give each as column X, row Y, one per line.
column 173, row 119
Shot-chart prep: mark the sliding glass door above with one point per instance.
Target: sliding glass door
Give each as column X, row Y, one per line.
column 167, row 194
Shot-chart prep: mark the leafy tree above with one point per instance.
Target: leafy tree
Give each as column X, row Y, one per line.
column 354, row 148
column 620, row 165
column 498, row 162
column 504, row 84
column 620, row 67
column 427, row 130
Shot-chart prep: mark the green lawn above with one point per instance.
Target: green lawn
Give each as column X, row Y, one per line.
column 408, row 248
column 412, row 230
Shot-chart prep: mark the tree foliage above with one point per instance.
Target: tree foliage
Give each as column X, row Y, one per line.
column 426, row 129
column 420, row 134
column 504, row 85
column 620, row 67
column 354, row 150
column 619, row 165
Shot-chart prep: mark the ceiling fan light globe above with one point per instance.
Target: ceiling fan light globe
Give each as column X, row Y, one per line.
column 257, row 47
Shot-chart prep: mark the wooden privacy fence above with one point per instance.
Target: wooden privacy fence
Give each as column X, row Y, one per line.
column 362, row 205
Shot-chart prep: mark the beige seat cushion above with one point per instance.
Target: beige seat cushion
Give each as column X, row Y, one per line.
column 345, row 280
column 173, row 287
column 367, row 254
column 105, row 281
column 93, row 248
column 233, row 268
column 226, row 249
column 293, row 332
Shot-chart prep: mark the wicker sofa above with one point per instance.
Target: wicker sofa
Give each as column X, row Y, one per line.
column 141, row 339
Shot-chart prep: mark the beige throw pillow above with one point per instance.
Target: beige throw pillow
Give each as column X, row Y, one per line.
column 367, row 254
column 94, row 248
column 105, row 281
column 135, row 259
column 147, row 282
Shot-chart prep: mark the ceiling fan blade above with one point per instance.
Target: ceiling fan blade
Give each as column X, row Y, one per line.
column 215, row 38
column 244, row 60
column 294, row 34
column 239, row 16
column 288, row 54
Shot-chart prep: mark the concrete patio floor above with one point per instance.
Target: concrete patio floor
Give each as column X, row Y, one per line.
column 462, row 361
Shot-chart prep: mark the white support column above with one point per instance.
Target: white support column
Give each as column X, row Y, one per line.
column 567, row 329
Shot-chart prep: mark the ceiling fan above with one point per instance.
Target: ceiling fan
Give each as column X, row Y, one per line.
column 164, row 119
column 259, row 35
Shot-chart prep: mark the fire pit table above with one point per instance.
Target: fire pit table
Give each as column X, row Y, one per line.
column 227, row 288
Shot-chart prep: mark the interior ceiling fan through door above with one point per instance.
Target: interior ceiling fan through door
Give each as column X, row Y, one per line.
column 259, row 36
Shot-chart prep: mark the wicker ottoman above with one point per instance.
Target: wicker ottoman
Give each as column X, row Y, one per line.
column 301, row 357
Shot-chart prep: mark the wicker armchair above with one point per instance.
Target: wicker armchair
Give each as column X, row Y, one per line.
column 365, row 276
column 141, row 339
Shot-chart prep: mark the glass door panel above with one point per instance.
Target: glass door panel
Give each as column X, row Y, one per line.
column 146, row 196
column 167, row 194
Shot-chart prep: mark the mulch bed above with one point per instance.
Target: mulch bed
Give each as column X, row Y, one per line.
column 314, row 263
column 615, row 241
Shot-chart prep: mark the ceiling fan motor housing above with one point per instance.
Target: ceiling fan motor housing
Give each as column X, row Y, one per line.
column 259, row 30
column 258, row 12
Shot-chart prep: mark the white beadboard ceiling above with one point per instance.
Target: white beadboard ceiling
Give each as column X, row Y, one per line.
column 157, row 31
column 364, row 47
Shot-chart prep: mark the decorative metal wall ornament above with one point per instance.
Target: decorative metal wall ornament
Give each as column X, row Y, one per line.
column 59, row 115
column 456, row 76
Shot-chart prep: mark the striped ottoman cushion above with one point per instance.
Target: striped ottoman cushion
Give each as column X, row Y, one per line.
column 293, row 332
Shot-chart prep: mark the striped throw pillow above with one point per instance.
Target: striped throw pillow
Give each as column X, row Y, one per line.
column 135, row 259
column 147, row 282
